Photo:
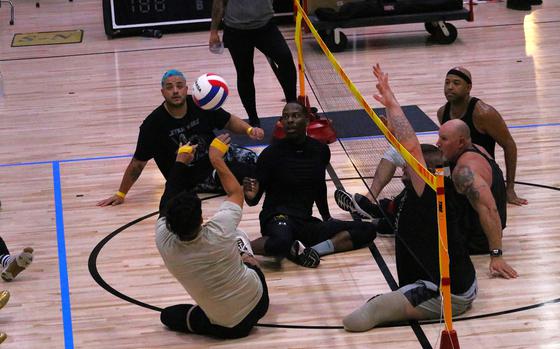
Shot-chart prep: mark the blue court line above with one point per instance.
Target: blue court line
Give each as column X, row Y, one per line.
column 17, row 164
column 68, row 160
column 62, row 267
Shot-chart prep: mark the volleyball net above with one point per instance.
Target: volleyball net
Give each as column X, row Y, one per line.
column 335, row 92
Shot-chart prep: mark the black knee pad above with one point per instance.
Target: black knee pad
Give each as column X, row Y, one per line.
column 175, row 317
column 362, row 233
column 278, row 246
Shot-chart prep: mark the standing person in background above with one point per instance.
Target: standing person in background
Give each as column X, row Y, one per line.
column 247, row 25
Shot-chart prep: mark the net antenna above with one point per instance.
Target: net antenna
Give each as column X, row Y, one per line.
column 449, row 338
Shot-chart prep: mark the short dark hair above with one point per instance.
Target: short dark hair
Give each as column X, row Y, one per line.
column 432, row 156
column 183, row 215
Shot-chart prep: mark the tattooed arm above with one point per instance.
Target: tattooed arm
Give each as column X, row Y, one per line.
column 131, row 174
column 477, row 191
column 399, row 125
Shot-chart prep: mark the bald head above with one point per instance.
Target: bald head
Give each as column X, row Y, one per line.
column 454, row 137
column 293, row 107
column 459, row 129
column 294, row 120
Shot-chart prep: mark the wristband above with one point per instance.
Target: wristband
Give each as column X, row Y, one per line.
column 221, row 146
column 120, row 194
column 185, row 149
column 249, row 130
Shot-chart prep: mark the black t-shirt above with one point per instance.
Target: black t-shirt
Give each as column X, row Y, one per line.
column 416, row 246
column 160, row 134
column 293, row 177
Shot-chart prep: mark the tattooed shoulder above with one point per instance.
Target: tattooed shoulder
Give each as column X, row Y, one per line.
column 463, row 179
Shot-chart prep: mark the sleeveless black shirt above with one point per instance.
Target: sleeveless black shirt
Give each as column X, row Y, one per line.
column 469, row 220
column 481, row 139
column 416, row 246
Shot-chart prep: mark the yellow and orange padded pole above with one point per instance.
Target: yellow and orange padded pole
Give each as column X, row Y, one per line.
column 298, row 38
column 449, row 338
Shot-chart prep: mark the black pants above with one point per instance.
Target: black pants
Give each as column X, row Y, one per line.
column 3, row 248
column 282, row 230
column 174, row 317
column 268, row 39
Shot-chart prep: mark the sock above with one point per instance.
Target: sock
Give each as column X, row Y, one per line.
column 324, row 248
column 5, row 260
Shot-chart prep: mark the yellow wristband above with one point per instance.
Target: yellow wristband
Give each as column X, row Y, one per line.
column 249, row 130
column 185, row 149
column 120, row 194
column 221, row 146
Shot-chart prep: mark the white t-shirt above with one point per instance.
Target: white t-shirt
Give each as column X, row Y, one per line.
column 210, row 267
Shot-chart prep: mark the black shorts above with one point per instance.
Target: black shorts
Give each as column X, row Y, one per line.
column 199, row 322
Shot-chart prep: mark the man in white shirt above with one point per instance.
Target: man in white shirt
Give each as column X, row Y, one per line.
column 224, row 280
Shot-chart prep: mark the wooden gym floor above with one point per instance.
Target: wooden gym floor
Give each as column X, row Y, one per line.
column 69, row 121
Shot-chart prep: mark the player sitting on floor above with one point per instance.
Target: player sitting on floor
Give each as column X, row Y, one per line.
column 292, row 174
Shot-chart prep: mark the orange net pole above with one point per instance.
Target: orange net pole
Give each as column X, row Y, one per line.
column 445, row 281
column 299, row 44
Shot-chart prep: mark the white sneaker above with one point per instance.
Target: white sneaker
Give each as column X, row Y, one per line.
column 243, row 244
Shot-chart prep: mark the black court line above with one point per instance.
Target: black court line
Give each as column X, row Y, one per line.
column 92, row 266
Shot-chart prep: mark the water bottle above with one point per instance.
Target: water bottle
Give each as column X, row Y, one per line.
column 217, row 48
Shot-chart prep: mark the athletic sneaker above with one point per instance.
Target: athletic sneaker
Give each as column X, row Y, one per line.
column 244, row 245
column 357, row 204
column 304, row 256
column 18, row 264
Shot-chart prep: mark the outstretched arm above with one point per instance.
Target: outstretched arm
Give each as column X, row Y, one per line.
column 180, row 176
column 477, row 191
column 131, row 174
column 218, row 149
column 399, row 125
column 238, row 126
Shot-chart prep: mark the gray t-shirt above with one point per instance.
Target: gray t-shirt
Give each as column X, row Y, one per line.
column 210, row 267
column 248, row 14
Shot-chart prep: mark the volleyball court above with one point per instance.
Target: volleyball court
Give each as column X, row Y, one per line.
column 336, row 93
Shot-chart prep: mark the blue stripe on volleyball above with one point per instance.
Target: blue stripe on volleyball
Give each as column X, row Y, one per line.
column 224, row 96
column 209, row 96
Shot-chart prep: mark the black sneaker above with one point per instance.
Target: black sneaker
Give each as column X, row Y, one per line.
column 349, row 203
column 304, row 256
column 365, row 206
